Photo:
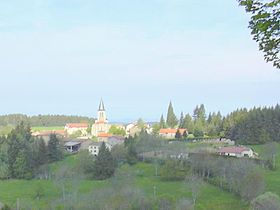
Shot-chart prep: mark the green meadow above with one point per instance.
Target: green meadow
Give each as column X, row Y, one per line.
column 50, row 128
column 272, row 177
column 210, row 197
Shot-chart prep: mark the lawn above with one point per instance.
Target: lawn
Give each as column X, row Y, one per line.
column 272, row 178
column 210, row 197
column 49, row 128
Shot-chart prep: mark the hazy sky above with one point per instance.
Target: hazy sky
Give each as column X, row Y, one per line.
column 62, row 56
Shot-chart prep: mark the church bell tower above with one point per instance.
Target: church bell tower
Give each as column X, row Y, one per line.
column 101, row 113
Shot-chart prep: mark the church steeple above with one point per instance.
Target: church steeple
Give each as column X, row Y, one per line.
column 101, row 125
column 101, row 106
column 101, row 114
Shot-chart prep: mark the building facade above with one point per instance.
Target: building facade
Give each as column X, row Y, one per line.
column 100, row 126
column 236, row 151
column 72, row 128
column 95, row 146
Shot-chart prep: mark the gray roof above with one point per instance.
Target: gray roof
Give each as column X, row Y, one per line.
column 96, row 144
column 101, row 106
column 71, row 143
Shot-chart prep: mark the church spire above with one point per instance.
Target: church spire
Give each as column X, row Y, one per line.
column 101, row 106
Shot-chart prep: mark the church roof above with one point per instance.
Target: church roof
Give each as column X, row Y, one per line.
column 77, row 125
column 101, row 106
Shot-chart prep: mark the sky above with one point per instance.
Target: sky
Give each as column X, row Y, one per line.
column 63, row 56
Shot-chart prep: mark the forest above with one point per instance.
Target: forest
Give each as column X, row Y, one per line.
column 245, row 126
column 42, row 120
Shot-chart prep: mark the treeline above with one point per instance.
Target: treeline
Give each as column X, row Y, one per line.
column 23, row 156
column 42, row 120
column 254, row 126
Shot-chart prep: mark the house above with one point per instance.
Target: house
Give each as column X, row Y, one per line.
column 115, row 140
column 46, row 134
column 103, row 137
column 170, row 133
column 236, row 151
column 94, row 147
column 100, row 125
column 132, row 130
column 72, row 128
column 72, row 146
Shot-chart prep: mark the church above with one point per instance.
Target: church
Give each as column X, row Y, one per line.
column 100, row 127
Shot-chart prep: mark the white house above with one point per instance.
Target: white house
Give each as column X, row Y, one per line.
column 94, row 147
column 236, row 151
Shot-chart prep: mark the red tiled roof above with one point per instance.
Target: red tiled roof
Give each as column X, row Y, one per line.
column 236, row 150
column 103, row 135
column 77, row 125
column 171, row 131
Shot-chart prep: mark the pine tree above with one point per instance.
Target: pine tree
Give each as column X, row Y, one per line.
column 42, row 151
column 104, row 164
column 131, row 153
column 188, row 123
column 18, row 153
column 162, row 122
column 181, row 121
column 54, row 151
column 171, row 119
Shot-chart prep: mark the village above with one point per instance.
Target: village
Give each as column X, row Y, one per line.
column 84, row 136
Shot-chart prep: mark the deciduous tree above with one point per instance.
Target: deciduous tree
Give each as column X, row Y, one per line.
column 265, row 27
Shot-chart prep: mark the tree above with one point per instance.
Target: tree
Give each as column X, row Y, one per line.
column 119, row 154
column 199, row 114
column 39, row 192
column 198, row 133
column 252, row 185
column 171, row 119
column 104, row 166
column 140, row 123
column 131, row 156
column 42, row 151
column 270, row 152
column 265, row 27
column 266, row 201
column 116, row 131
column 86, row 163
column 181, row 121
column 156, row 128
column 54, row 151
column 39, row 153
column 19, row 159
column 178, row 134
column 188, row 123
column 173, row 170
column 196, row 185
column 162, row 122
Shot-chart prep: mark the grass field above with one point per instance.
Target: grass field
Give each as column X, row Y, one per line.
column 210, row 198
column 272, row 178
column 51, row 128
